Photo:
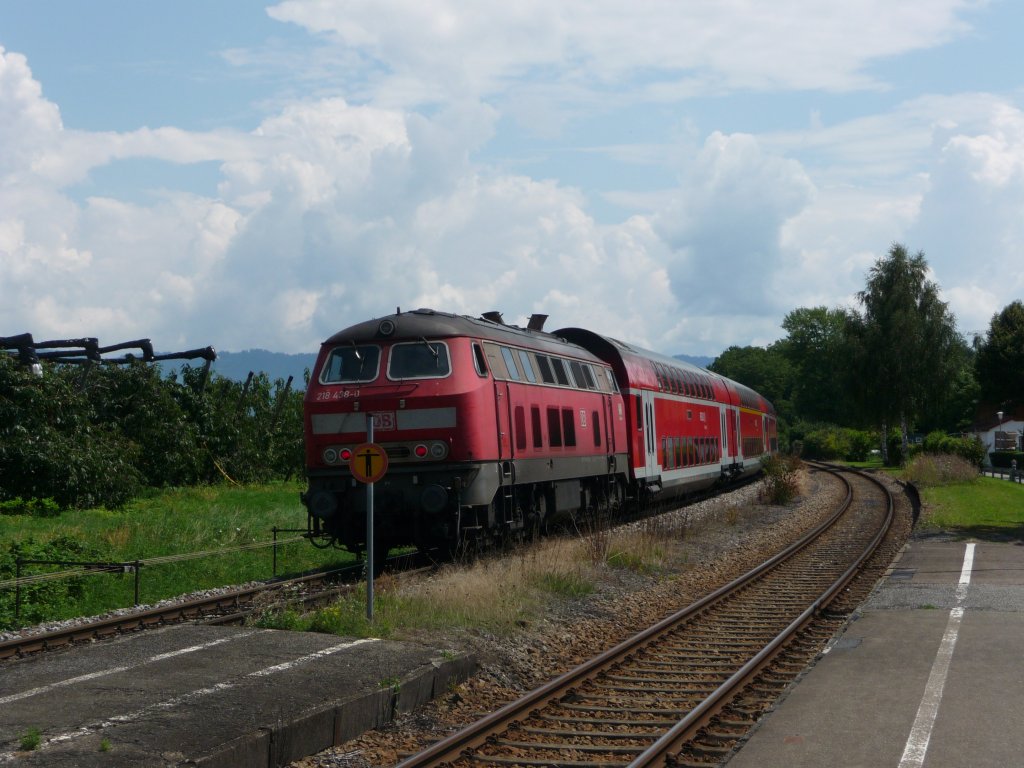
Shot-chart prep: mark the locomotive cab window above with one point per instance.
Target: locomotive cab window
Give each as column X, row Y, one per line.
column 351, row 364
column 479, row 360
column 419, row 360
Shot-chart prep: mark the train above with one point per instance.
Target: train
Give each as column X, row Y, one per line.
column 494, row 432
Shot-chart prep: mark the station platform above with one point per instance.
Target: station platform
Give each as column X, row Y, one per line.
column 212, row 697
column 928, row 674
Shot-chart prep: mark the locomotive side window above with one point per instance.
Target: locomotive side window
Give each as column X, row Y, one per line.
column 524, row 362
column 546, row 374
column 351, row 364
column 569, row 427
column 554, row 428
column 510, row 364
column 588, row 375
column 561, row 374
column 613, row 387
column 479, row 360
column 577, row 374
column 419, row 360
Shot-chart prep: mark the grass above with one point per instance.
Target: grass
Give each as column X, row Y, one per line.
column 30, row 740
column 176, row 521
column 984, row 507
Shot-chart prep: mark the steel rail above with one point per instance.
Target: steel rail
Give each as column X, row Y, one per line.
column 170, row 614
column 478, row 733
column 658, row 754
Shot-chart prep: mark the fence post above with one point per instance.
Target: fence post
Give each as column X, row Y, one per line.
column 274, row 529
column 138, row 572
column 17, row 588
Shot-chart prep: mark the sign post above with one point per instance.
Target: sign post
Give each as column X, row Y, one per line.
column 369, row 463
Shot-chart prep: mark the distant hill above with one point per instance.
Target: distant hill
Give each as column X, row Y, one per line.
column 698, row 360
column 277, row 365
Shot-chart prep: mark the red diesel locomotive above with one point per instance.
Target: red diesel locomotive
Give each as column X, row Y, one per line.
column 494, row 431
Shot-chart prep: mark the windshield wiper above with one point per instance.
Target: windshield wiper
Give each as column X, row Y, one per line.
column 437, row 359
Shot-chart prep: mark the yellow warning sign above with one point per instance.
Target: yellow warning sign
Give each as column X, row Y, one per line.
column 369, row 463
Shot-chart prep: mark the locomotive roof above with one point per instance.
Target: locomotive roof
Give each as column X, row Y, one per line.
column 432, row 324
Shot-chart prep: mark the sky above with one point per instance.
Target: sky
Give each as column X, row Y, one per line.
column 678, row 174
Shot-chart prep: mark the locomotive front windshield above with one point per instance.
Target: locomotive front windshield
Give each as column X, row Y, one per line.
column 419, row 360
column 351, row 364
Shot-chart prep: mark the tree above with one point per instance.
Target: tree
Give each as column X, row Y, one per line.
column 817, row 350
column 1000, row 361
column 766, row 371
column 905, row 344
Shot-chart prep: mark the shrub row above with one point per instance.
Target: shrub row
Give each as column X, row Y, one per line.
column 96, row 436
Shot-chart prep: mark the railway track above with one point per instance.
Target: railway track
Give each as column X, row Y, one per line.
column 230, row 607
column 685, row 690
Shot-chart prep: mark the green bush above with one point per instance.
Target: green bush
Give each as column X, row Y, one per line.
column 1004, row 459
column 780, row 478
column 96, row 436
column 829, row 443
column 970, row 449
column 30, row 507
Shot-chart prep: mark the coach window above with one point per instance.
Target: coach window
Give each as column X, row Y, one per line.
column 479, row 360
column 596, row 420
column 351, row 364
column 419, row 360
column 569, row 427
column 538, row 436
column 520, row 428
column 510, row 363
column 526, row 365
column 554, row 428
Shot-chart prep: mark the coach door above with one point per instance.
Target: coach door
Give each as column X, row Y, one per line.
column 609, row 426
column 650, row 435
column 503, row 408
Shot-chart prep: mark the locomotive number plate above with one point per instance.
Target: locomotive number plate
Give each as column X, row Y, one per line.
column 385, row 420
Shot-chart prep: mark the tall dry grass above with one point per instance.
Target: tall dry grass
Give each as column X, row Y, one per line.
column 499, row 594
column 929, row 469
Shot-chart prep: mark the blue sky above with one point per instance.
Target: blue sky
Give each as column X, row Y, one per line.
column 682, row 175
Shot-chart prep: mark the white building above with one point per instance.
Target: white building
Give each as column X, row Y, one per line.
column 1005, row 433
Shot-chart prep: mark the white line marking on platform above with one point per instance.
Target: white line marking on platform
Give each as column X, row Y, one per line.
column 184, row 698
column 115, row 670
column 921, row 733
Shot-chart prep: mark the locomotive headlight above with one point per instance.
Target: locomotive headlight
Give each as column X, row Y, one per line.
column 330, row 456
column 438, row 450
